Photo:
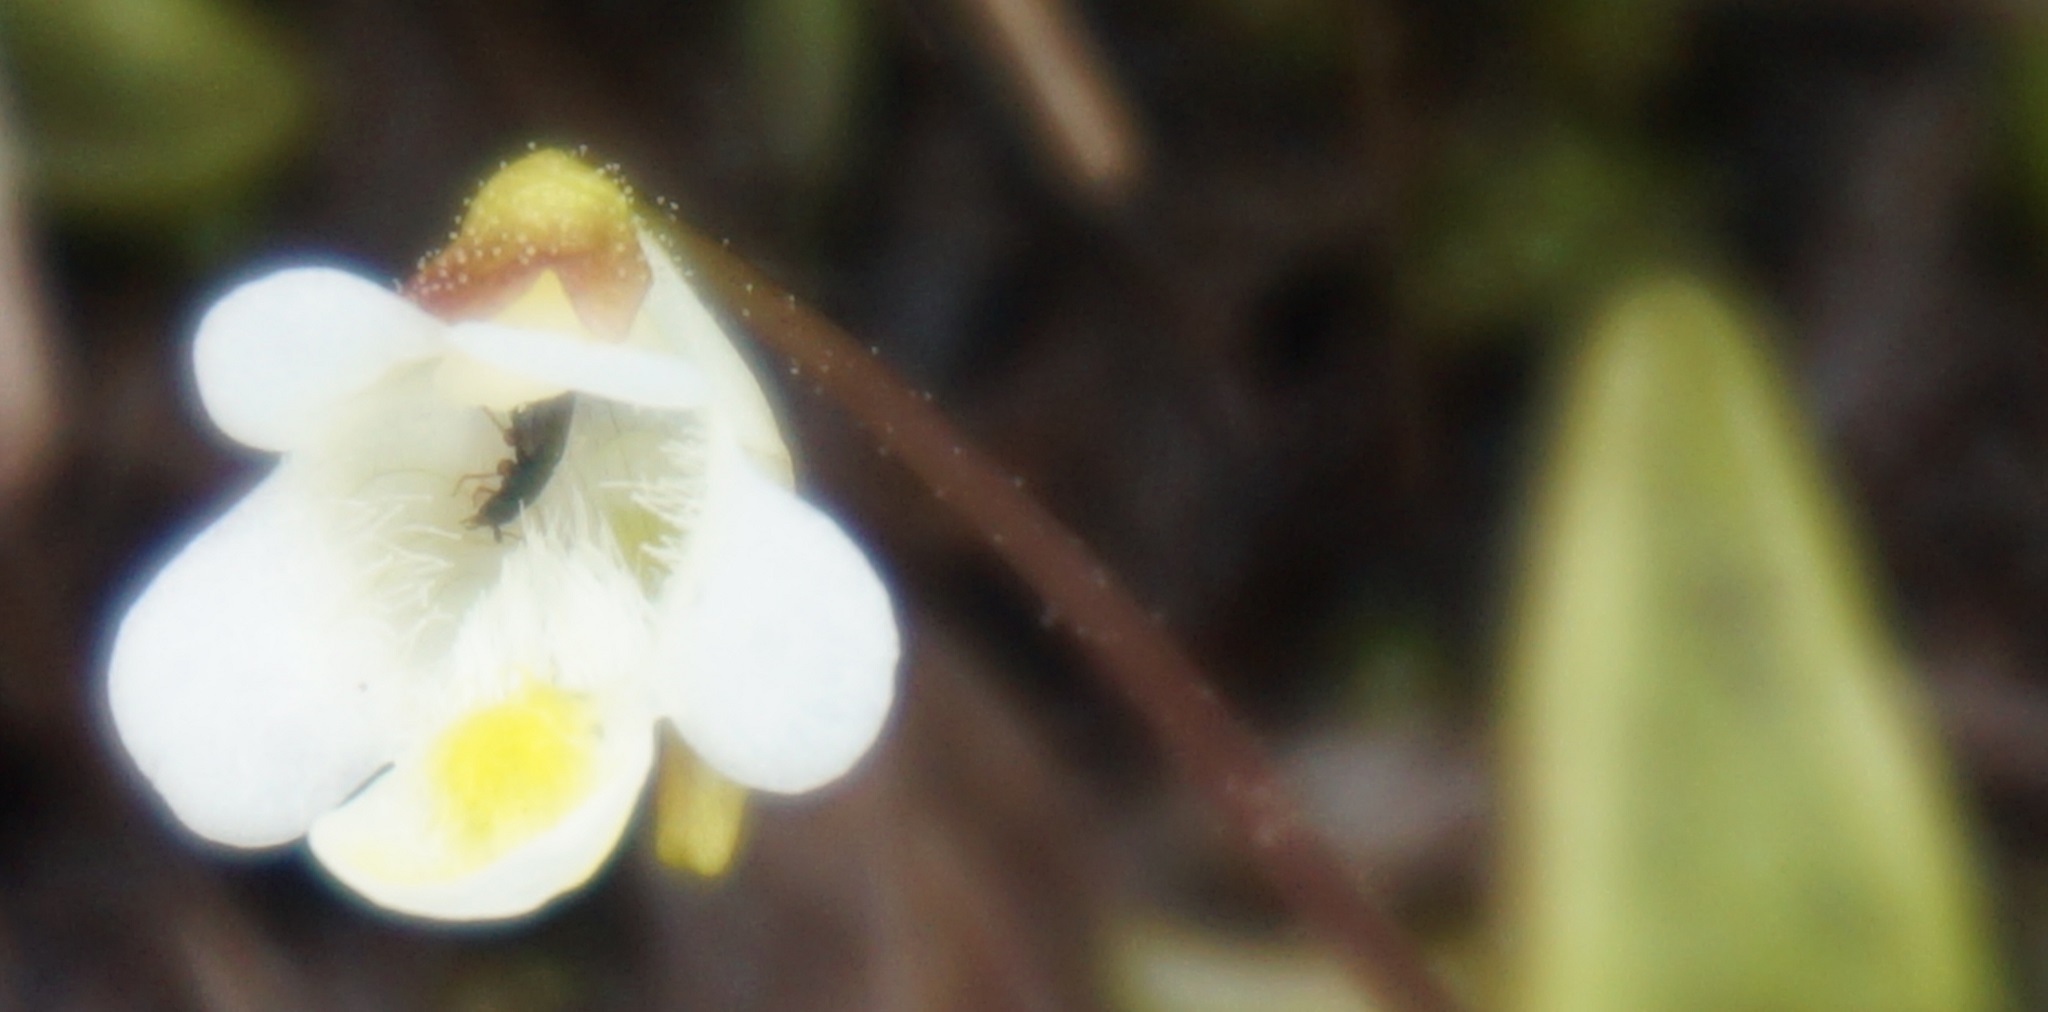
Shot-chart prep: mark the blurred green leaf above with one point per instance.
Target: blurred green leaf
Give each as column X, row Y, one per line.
column 529, row 978
column 1290, row 38
column 1612, row 54
column 1158, row 964
column 811, row 66
column 2025, row 79
column 1524, row 225
column 157, row 112
column 1722, row 791
column 1397, row 673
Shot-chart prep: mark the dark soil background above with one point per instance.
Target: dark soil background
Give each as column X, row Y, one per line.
column 1265, row 314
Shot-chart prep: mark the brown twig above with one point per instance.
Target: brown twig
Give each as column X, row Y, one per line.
column 1203, row 741
column 28, row 406
column 1057, row 73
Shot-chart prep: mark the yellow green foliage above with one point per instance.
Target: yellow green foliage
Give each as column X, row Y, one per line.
column 1722, row 790
column 1157, row 963
column 1524, row 224
column 149, row 111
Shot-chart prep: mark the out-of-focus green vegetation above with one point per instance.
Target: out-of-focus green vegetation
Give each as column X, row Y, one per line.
column 1288, row 39
column 1721, row 789
column 1271, row 385
column 1610, row 54
column 812, row 65
column 2025, row 74
column 1527, row 222
column 1159, row 964
column 150, row 115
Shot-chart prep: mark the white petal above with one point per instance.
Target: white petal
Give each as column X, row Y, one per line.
column 674, row 317
column 392, row 845
column 779, row 665
column 559, row 362
column 246, row 690
column 277, row 354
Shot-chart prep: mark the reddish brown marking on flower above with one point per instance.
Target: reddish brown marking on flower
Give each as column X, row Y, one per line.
column 547, row 210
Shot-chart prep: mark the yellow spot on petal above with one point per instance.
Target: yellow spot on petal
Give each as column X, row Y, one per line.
column 511, row 769
column 699, row 816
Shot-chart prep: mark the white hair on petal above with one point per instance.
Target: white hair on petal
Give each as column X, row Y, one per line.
column 676, row 496
column 562, row 612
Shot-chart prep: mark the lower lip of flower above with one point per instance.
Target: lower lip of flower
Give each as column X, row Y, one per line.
column 510, row 769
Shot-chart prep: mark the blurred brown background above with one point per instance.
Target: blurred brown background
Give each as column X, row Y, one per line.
column 1258, row 295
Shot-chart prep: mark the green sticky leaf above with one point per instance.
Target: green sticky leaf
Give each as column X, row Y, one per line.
column 1723, row 789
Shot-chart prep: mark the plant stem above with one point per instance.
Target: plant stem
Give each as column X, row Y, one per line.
column 1130, row 649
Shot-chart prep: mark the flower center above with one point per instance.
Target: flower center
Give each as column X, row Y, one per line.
column 511, row 769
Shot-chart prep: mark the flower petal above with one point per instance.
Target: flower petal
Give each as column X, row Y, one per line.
column 247, row 692
column 614, row 372
column 477, row 825
column 673, row 317
column 277, row 354
column 779, row 664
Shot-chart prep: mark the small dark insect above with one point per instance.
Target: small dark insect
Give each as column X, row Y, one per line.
column 537, row 435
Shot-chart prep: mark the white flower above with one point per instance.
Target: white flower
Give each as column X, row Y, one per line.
column 460, row 716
